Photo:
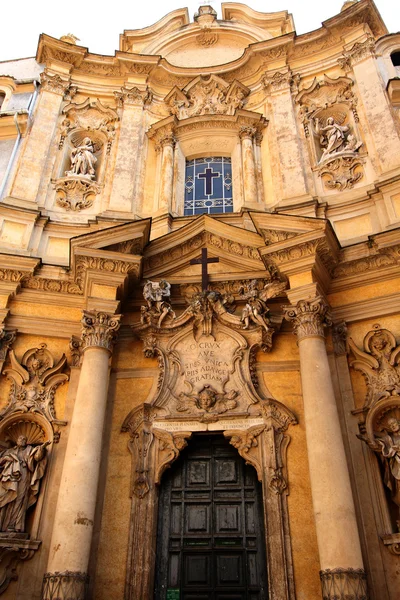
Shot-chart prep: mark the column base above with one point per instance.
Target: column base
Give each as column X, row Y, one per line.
column 344, row 584
column 67, row 585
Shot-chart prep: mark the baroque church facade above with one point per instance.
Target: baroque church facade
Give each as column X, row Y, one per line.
column 199, row 302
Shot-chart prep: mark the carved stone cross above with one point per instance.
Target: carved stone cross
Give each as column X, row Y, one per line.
column 204, row 261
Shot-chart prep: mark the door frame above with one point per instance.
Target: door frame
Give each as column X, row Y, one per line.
column 154, row 444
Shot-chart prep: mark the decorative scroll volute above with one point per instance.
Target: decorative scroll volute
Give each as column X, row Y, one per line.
column 34, row 383
column 247, row 444
column 378, row 362
column 169, row 447
column 138, row 424
column 277, row 418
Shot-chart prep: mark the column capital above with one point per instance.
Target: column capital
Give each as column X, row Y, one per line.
column 247, row 132
column 309, row 317
column 133, row 97
column 99, row 329
column 54, row 83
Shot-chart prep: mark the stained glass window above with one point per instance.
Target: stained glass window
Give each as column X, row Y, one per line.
column 208, row 186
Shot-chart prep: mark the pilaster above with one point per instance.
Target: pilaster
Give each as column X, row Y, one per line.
column 132, row 101
column 35, row 152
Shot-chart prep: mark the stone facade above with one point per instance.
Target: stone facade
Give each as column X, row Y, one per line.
column 129, row 327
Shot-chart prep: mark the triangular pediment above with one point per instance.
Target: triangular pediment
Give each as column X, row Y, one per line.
column 236, row 247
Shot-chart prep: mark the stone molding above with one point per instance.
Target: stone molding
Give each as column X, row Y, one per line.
column 54, row 83
column 65, row 585
column 349, row 584
column 309, row 317
column 99, row 330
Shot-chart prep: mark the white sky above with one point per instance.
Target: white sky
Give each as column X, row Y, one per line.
column 98, row 23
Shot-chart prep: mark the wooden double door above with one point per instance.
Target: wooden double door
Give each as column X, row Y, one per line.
column 210, row 539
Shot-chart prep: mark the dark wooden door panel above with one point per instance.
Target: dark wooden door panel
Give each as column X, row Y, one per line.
column 210, row 543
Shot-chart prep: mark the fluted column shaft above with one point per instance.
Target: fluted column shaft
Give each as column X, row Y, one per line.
column 74, row 518
column 334, row 513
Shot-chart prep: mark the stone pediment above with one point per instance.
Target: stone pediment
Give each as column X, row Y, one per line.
column 237, row 249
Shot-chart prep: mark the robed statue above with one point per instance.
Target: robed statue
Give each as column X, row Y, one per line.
column 83, row 159
column 390, row 450
column 21, row 468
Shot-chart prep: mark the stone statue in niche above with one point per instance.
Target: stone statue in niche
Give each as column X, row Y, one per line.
column 21, row 468
column 208, row 400
column 158, row 306
column 390, row 449
column 256, row 309
column 83, row 160
column 335, row 137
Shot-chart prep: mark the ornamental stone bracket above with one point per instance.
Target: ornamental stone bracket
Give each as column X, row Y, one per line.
column 76, row 193
column 14, row 550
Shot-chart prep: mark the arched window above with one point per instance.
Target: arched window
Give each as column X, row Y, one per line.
column 395, row 58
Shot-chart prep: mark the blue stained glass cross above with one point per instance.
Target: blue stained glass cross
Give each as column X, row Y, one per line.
column 208, row 176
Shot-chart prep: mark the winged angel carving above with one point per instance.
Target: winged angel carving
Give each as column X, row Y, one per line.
column 35, row 380
column 379, row 364
column 208, row 400
column 256, row 309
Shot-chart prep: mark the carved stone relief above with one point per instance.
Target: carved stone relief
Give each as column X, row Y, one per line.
column 379, row 422
column 328, row 110
column 28, row 425
column 206, row 95
column 379, row 364
column 206, row 384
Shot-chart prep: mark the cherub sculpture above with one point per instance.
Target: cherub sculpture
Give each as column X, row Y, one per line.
column 256, row 309
column 208, row 400
column 157, row 297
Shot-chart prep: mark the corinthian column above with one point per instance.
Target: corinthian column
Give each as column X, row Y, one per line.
column 249, row 168
column 73, row 524
column 342, row 573
column 167, row 144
